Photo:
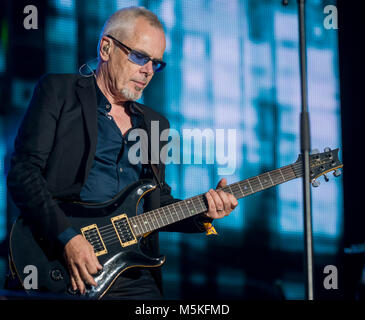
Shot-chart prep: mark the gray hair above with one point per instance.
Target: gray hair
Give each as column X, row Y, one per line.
column 121, row 23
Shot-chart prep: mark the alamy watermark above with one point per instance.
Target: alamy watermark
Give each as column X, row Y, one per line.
column 31, row 280
column 330, row 20
column 195, row 146
column 330, row 281
column 31, row 20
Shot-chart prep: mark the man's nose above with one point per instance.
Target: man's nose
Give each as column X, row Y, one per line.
column 147, row 68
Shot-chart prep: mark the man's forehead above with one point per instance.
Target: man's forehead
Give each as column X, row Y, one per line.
column 147, row 40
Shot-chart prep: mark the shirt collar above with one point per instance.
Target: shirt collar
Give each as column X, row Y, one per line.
column 105, row 106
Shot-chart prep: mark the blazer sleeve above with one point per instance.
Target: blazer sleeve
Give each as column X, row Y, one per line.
column 33, row 144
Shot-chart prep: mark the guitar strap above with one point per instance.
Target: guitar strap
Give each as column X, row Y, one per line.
column 156, row 173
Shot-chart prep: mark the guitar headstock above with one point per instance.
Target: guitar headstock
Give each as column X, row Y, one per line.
column 322, row 163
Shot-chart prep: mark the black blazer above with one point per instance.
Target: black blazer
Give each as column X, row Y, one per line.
column 54, row 152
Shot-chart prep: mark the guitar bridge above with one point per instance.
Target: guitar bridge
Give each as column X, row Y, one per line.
column 123, row 230
column 92, row 234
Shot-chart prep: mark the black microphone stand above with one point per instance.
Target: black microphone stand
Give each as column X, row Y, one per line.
column 305, row 150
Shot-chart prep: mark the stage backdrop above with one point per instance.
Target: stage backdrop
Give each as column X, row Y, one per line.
column 233, row 71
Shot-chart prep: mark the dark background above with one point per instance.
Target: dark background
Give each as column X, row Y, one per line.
column 352, row 72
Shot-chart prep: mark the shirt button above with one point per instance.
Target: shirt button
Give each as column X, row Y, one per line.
column 109, row 117
column 108, row 107
column 121, row 169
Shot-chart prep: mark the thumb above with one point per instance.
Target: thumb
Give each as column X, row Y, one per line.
column 222, row 183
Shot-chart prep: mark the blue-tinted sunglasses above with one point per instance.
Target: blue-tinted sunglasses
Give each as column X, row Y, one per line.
column 140, row 58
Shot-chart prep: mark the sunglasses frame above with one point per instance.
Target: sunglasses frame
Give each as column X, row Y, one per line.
column 154, row 61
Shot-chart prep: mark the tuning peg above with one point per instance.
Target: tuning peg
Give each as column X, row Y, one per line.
column 315, row 151
column 327, row 149
column 337, row 173
column 316, row 183
column 326, row 178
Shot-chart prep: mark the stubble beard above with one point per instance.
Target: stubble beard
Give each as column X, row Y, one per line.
column 131, row 96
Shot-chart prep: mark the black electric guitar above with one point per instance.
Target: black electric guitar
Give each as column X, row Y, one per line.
column 116, row 232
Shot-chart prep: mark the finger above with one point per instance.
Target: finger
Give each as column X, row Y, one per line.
column 222, row 183
column 97, row 263
column 91, row 266
column 80, row 284
column 233, row 201
column 211, row 205
column 86, row 276
column 226, row 201
column 217, row 200
column 73, row 283
column 95, row 260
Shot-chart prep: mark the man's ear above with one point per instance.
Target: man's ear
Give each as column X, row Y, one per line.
column 104, row 48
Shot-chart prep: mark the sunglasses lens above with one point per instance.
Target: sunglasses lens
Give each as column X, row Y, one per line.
column 138, row 58
column 158, row 65
column 142, row 59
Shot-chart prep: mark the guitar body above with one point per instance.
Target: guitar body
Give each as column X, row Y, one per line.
column 105, row 225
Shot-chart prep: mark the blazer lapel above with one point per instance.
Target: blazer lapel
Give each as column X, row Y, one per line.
column 146, row 125
column 87, row 95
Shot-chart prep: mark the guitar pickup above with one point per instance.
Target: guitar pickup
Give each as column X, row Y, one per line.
column 92, row 234
column 123, row 230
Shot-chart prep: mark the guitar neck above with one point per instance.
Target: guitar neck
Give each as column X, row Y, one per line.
column 180, row 210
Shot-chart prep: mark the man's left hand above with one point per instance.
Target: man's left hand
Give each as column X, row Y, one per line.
column 220, row 203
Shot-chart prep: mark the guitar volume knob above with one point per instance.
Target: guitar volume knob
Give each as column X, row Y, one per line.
column 56, row 274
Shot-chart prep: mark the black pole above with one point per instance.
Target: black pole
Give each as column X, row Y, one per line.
column 305, row 147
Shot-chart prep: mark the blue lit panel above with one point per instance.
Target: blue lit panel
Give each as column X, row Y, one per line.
column 235, row 65
column 61, row 41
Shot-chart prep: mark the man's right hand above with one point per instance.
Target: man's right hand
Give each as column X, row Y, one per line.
column 82, row 263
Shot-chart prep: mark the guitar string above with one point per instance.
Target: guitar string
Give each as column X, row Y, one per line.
column 253, row 182
column 109, row 231
column 232, row 187
column 114, row 239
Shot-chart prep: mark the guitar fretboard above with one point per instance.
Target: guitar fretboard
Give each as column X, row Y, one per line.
column 180, row 210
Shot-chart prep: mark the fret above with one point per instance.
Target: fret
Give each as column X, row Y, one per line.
column 248, row 181
column 143, row 224
column 163, row 215
column 288, row 173
column 292, row 173
column 134, row 224
column 254, row 185
column 193, row 210
column 242, row 194
column 185, row 212
column 272, row 182
column 174, row 213
column 229, row 187
column 236, row 190
column 258, row 178
column 277, row 177
column 200, row 201
column 282, row 174
column 146, row 222
column 158, row 218
column 245, row 187
column 151, row 219
column 169, row 211
column 264, row 181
